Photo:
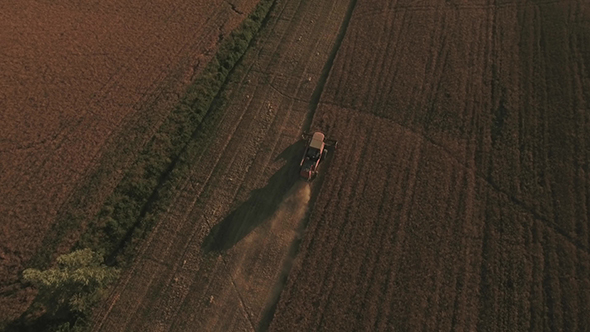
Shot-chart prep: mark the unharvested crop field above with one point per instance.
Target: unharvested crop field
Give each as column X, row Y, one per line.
column 458, row 198
column 83, row 85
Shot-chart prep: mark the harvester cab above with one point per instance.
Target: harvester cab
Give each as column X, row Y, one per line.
column 316, row 150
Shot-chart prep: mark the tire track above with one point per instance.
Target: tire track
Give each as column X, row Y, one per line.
column 485, row 276
column 471, row 53
column 383, row 75
column 384, row 317
column 436, row 65
column 371, row 280
column 583, row 159
column 395, row 66
column 317, row 93
column 318, row 28
column 220, row 167
column 434, row 316
column 260, row 177
column 358, row 272
column 466, row 207
column 455, row 7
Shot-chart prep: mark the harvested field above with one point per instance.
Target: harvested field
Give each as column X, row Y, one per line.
column 459, row 197
column 84, row 85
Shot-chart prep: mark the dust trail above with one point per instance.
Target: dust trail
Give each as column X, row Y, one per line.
column 288, row 220
column 292, row 209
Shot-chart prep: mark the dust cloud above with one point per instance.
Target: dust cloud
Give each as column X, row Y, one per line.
column 288, row 223
column 292, row 210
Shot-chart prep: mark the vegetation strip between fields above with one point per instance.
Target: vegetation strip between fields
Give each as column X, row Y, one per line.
column 148, row 187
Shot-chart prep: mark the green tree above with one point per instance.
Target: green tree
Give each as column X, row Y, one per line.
column 74, row 285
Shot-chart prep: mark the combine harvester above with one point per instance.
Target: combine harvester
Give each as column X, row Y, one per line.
column 316, row 151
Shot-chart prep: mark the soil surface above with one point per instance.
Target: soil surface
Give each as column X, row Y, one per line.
column 459, row 196
column 457, row 199
column 77, row 78
column 218, row 260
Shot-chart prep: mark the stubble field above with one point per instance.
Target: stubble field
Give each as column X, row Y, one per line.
column 459, row 199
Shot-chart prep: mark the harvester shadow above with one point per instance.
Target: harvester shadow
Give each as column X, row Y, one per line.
column 261, row 205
